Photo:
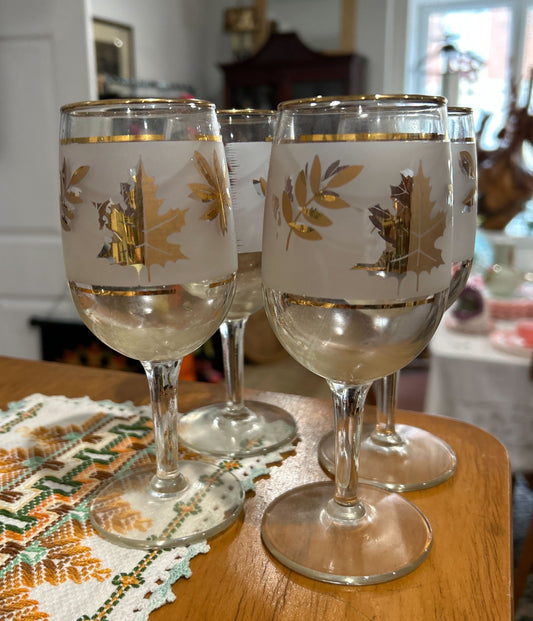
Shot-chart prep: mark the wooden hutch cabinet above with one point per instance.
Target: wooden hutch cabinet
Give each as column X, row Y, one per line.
column 284, row 68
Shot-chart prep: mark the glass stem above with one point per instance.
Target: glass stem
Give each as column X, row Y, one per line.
column 348, row 405
column 386, row 396
column 163, row 383
column 232, row 333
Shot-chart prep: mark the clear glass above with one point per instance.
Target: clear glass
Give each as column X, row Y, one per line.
column 403, row 457
column 343, row 296
column 143, row 190
column 238, row 428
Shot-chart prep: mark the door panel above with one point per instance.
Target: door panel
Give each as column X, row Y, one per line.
column 46, row 60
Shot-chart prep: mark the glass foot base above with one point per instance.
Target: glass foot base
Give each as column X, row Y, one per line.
column 129, row 513
column 389, row 541
column 421, row 461
column 218, row 429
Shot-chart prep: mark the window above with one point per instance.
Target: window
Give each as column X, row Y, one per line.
column 473, row 52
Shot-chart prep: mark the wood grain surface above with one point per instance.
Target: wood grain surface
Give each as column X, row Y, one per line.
column 466, row 577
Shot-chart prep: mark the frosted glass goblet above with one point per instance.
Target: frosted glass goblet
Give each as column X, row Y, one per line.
column 237, row 428
column 356, row 269
column 151, row 265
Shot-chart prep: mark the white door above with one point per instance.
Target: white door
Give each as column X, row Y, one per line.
column 46, row 60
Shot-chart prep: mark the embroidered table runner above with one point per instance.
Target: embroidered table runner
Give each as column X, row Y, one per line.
column 56, row 453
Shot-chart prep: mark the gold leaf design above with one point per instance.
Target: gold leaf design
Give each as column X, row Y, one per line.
column 426, row 229
column 408, row 228
column 304, row 231
column 276, row 210
column 215, row 191
column 466, row 164
column 260, row 186
column 312, row 215
column 468, row 168
column 69, row 193
column 286, row 206
column 330, row 199
column 300, row 189
column 394, row 226
column 311, row 186
column 314, row 177
column 139, row 232
column 469, row 200
column 343, row 175
column 157, row 249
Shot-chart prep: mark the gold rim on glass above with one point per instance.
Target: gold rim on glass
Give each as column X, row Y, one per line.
column 249, row 111
column 459, row 110
column 119, row 107
column 103, row 103
column 316, row 101
column 375, row 137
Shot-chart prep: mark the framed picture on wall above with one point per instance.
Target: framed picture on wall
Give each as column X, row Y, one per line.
column 113, row 44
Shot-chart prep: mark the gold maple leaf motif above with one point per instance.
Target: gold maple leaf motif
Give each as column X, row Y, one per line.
column 69, row 193
column 314, row 187
column 425, row 228
column 215, row 191
column 408, row 228
column 139, row 232
column 394, row 225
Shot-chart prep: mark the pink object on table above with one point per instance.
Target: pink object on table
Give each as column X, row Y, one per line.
column 524, row 329
column 518, row 308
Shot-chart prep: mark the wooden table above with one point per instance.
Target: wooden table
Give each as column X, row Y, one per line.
column 467, row 574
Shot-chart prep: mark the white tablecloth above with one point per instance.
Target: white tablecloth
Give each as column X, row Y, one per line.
column 471, row 380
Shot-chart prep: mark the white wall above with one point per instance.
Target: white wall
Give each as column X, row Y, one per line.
column 216, row 49
column 381, row 37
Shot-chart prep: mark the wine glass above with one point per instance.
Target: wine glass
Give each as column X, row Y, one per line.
column 150, row 256
column 356, row 265
column 239, row 428
column 404, row 457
